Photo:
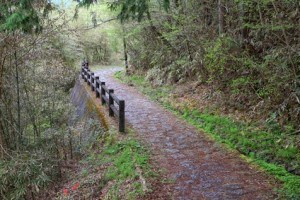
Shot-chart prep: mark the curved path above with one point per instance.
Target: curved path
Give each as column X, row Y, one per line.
column 199, row 168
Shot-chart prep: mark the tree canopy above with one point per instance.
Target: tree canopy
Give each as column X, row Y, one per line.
column 22, row 14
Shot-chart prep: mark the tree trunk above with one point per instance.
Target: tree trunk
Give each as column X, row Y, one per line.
column 125, row 51
column 154, row 29
column 18, row 98
column 220, row 17
column 2, row 148
column 31, row 113
column 241, row 21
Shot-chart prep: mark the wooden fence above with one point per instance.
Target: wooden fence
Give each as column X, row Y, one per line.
column 116, row 106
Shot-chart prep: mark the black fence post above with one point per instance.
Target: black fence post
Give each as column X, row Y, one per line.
column 93, row 81
column 97, row 87
column 110, row 102
column 82, row 72
column 100, row 90
column 85, row 75
column 122, row 116
column 102, row 93
column 88, row 77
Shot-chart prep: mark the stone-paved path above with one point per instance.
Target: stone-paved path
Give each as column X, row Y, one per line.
column 200, row 168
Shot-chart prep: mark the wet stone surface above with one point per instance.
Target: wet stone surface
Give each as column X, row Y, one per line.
column 200, row 169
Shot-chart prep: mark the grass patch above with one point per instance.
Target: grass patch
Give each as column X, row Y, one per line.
column 116, row 167
column 272, row 150
column 124, row 157
column 126, row 163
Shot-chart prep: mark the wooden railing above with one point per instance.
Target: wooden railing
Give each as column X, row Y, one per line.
column 116, row 106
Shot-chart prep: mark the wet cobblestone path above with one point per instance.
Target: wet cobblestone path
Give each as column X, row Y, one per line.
column 199, row 168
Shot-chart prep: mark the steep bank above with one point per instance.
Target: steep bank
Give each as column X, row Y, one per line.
column 86, row 106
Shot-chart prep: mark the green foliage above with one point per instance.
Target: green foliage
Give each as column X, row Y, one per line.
column 215, row 58
column 134, row 9
column 271, row 147
column 30, row 171
column 126, row 156
column 253, row 62
column 22, row 15
column 291, row 185
column 240, row 83
column 122, row 158
column 99, row 34
column 33, row 161
column 130, row 9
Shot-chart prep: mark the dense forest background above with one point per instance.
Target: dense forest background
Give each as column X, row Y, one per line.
column 245, row 53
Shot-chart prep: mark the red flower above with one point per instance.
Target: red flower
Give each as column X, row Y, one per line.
column 76, row 186
column 66, row 192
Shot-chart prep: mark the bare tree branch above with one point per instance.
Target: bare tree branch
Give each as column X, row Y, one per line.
column 102, row 22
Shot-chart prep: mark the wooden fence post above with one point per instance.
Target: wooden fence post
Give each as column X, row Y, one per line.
column 82, row 72
column 102, row 93
column 110, row 102
column 122, row 116
column 88, row 77
column 97, row 87
column 85, row 76
column 93, row 81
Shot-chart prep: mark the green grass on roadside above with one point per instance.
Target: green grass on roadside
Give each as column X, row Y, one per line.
column 270, row 150
column 125, row 161
column 115, row 167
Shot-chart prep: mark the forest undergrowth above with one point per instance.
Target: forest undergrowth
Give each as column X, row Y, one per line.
column 41, row 47
column 112, row 167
